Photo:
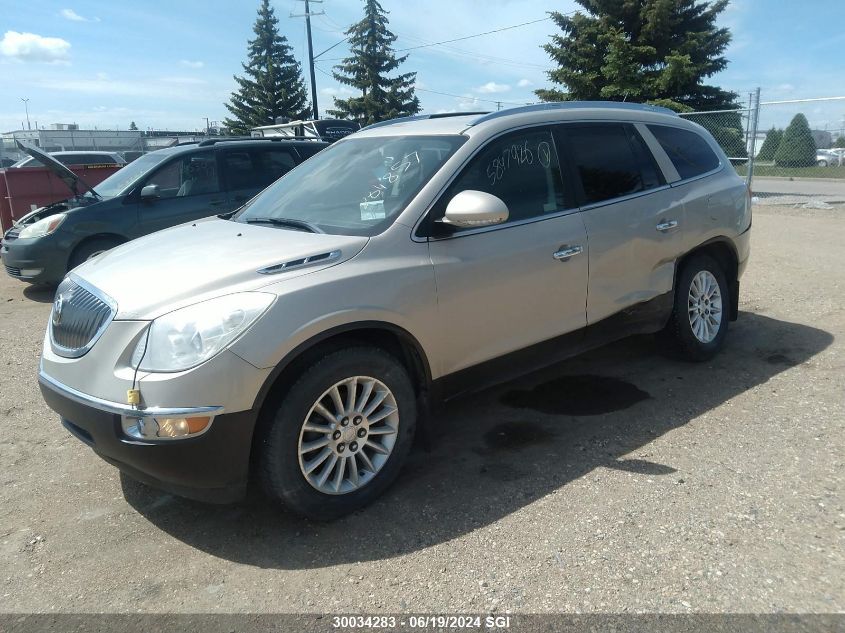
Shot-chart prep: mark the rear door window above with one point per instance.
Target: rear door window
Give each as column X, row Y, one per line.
column 690, row 154
column 610, row 160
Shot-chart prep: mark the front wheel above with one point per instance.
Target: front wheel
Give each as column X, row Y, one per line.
column 699, row 321
column 341, row 434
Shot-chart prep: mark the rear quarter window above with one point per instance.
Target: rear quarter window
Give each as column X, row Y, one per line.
column 690, row 153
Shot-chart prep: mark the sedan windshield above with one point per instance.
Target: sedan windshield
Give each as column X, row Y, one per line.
column 356, row 187
column 127, row 176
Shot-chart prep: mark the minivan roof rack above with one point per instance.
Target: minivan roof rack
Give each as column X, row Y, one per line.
column 226, row 139
column 574, row 105
column 419, row 117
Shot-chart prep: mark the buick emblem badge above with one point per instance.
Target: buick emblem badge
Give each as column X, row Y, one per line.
column 58, row 306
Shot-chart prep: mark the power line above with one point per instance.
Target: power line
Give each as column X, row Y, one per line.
column 468, row 37
column 460, row 39
column 450, row 94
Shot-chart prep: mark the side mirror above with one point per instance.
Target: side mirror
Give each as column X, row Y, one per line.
column 473, row 209
column 150, row 192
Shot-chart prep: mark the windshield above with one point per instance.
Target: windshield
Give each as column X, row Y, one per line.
column 356, row 187
column 127, row 176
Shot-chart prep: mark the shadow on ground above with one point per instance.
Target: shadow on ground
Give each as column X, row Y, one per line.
column 40, row 293
column 499, row 450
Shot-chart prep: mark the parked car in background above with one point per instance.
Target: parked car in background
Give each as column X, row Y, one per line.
column 838, row 154
column 154, row 192
column 419, row 258
column 75, row 158
column 826, row 157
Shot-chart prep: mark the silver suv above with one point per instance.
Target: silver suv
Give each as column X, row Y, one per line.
column 303, row 339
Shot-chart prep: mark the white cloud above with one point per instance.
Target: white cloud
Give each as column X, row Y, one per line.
column 191, row 64
column 32, row 47
column 491, row 87
column 524, row 83
column 73, row 16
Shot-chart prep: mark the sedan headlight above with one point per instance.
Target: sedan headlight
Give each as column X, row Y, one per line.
column 185, row 338
column 43, row 227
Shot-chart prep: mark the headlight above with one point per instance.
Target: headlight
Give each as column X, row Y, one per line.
column 43, row 227
column 190, row 336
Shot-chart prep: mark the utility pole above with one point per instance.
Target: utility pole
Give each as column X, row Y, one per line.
column 207, row 126
column 26, row 107
column 307, row 15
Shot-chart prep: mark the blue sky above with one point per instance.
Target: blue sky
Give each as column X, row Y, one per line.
column 170, row 64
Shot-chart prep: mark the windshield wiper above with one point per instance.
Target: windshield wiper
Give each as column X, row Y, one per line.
column 302, row 225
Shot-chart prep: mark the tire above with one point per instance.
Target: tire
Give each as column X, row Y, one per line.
column 91, row 248
column 283, row 457
column 699, row 342
column 822, row 163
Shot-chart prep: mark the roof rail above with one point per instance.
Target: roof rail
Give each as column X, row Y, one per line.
column 226, row 139
column 575, row 105
column 419, row 117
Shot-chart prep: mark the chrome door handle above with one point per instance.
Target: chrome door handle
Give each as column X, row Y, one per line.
column 566, row 252
column 667, row 226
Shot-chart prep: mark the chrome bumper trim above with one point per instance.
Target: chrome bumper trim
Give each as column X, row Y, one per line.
column 118, row 408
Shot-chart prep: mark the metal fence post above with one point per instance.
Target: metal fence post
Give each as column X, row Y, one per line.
column 752, row 128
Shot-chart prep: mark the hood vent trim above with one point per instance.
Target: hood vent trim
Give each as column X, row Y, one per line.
column 302, row 262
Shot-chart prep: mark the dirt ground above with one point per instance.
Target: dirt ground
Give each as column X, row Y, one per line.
column 620, row 481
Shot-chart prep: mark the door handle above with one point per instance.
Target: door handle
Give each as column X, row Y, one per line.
column 566, row 252
column 667, row 225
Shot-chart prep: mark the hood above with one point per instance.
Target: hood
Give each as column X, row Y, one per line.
column 64, row 174
column 190, row 263
column 61, row 206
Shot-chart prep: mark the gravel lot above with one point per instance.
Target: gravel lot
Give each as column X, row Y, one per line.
column 635, row 483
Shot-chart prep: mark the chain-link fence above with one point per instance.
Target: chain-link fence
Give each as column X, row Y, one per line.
column 789, row 139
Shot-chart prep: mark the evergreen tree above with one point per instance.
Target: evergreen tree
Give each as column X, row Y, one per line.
column 132, row 126
column 770, row 145
column 840, row 142
column 797, row 147
column 367, row 69
column 643, row 50
column 272, row 85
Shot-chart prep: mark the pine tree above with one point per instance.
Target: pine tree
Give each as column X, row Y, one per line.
column 797, row 147
column 644, row 50
column 372, row 60
column 770, row 145
column 840, row 142
column 273, row 85
column 132, row 126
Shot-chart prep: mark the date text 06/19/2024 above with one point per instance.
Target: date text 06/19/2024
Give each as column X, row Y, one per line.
column 422, row 621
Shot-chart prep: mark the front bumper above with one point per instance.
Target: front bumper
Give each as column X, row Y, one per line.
column 211, row 467
column 33, row 260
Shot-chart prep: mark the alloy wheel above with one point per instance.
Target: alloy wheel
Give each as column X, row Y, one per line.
column 705, row 306
column 348, row 435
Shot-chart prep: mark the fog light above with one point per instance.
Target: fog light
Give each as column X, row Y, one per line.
column 30, row 272
column 164, row 428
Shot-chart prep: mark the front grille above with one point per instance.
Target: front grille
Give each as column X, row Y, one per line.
column 14, row 272
column 78, row 318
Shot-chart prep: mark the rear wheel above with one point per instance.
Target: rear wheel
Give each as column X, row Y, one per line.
column 340, row 435
column 699, row 321
column 90, row 249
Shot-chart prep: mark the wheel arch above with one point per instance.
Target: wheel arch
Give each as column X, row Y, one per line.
column 115, row 237
column 723, row 250
column 384, row 335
